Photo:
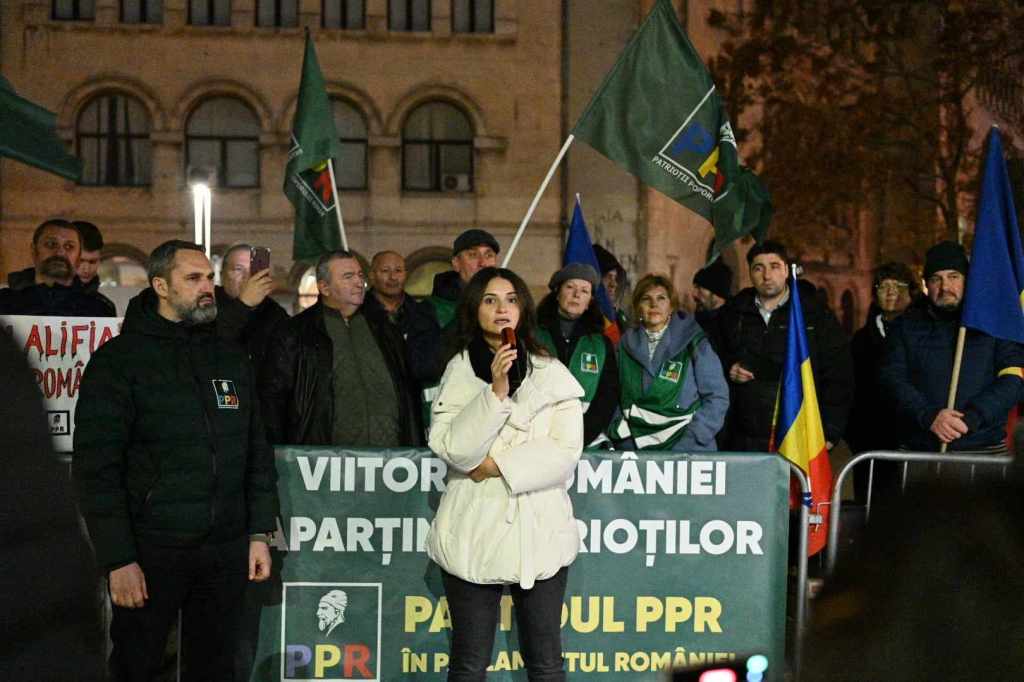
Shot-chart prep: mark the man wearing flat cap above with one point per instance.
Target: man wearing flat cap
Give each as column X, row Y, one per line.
column 918, row 364
column 472, row 251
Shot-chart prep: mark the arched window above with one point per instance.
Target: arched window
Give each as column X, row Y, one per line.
column 422, row 265
column 223, row 133
column 350, row 171
column 847, row 305
column 112, row 134
column 437, row 149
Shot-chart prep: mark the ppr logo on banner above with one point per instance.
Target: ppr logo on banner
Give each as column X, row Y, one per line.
column 330, row 631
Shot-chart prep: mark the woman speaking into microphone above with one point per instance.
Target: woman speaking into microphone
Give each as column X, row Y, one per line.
column 509, row 423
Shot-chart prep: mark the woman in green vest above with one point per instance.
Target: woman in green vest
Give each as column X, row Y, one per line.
column 571, row 327
column 673, row 392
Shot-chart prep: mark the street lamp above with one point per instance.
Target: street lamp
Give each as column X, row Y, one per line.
column 202, row 204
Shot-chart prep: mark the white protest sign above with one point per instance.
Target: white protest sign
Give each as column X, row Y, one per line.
column 57, row 350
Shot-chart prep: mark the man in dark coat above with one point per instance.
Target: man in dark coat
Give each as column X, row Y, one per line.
column 918, row 366
column 246, row 311
column 753, row 330
column 387, row 301
column 335, row 376
column 712, row 287
column 174, row 475
column 89, row 262
column 51, row 287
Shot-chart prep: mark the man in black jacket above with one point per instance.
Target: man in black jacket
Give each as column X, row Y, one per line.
column 50, row 286
column 918, row 364
column 89, row 263
column 246, row 312
column 752, row 345
column 174, row 476
column 335, row 376
column 386, row 301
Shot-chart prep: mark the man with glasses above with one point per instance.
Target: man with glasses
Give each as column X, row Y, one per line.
column 870, row 427
column 918, row 365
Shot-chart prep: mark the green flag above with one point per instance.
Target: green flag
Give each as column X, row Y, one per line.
column 28, row 134
column 307, row 182
column 659, row 116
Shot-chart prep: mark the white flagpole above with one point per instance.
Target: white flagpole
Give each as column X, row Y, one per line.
column 337, row 204
column 536, row 200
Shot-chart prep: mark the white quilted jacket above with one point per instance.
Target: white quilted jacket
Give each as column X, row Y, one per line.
column 518, row 528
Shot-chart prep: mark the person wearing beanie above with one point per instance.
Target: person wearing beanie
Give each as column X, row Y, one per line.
column 917, row 367
column 712, row 287
column 571, row 327
column 613, row 276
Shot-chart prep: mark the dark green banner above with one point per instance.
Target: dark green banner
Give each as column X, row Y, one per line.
column 682, row 560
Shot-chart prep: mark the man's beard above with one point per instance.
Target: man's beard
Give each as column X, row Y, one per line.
column 193, row 314
column 56, row 267
column 323, row 624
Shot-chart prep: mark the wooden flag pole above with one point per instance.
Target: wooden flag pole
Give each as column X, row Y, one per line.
column 536, row 200
column 955, row 380
column 337, row 203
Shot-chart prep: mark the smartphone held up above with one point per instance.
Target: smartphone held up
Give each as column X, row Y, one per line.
column 259, row 259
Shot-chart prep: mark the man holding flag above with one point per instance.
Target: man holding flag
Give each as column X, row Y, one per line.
column 921, row 350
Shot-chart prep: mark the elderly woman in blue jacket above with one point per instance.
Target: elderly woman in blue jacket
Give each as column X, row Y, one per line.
column 673, row 392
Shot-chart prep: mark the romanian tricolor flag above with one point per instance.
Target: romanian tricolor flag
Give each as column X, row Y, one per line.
column 579, row 249
column 995, row 283
column 797, row 432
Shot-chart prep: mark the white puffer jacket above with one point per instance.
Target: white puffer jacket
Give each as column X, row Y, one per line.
column 518, row 528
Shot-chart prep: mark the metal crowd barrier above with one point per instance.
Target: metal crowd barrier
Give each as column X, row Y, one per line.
column 801, row 573
column 981, row 457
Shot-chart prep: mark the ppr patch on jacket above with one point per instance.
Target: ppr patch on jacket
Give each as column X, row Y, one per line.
column 227, row 396
column 588, row 363
column 672, row 371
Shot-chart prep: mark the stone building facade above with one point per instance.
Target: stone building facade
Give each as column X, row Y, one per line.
column 451, row 112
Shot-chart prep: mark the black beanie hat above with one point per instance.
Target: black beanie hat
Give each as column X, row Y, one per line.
column 945, row 255
column 605, row 260
column 716, row 278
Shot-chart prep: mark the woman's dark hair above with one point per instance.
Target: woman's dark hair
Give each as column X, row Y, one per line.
column 467, row 320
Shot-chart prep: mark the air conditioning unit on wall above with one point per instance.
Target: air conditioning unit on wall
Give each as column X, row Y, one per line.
column 455, row 182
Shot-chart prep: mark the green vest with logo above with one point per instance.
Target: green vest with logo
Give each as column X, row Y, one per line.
column 586, row 364
column 651, row 418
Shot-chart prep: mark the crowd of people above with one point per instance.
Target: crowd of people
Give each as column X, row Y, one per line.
column 173, row 463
